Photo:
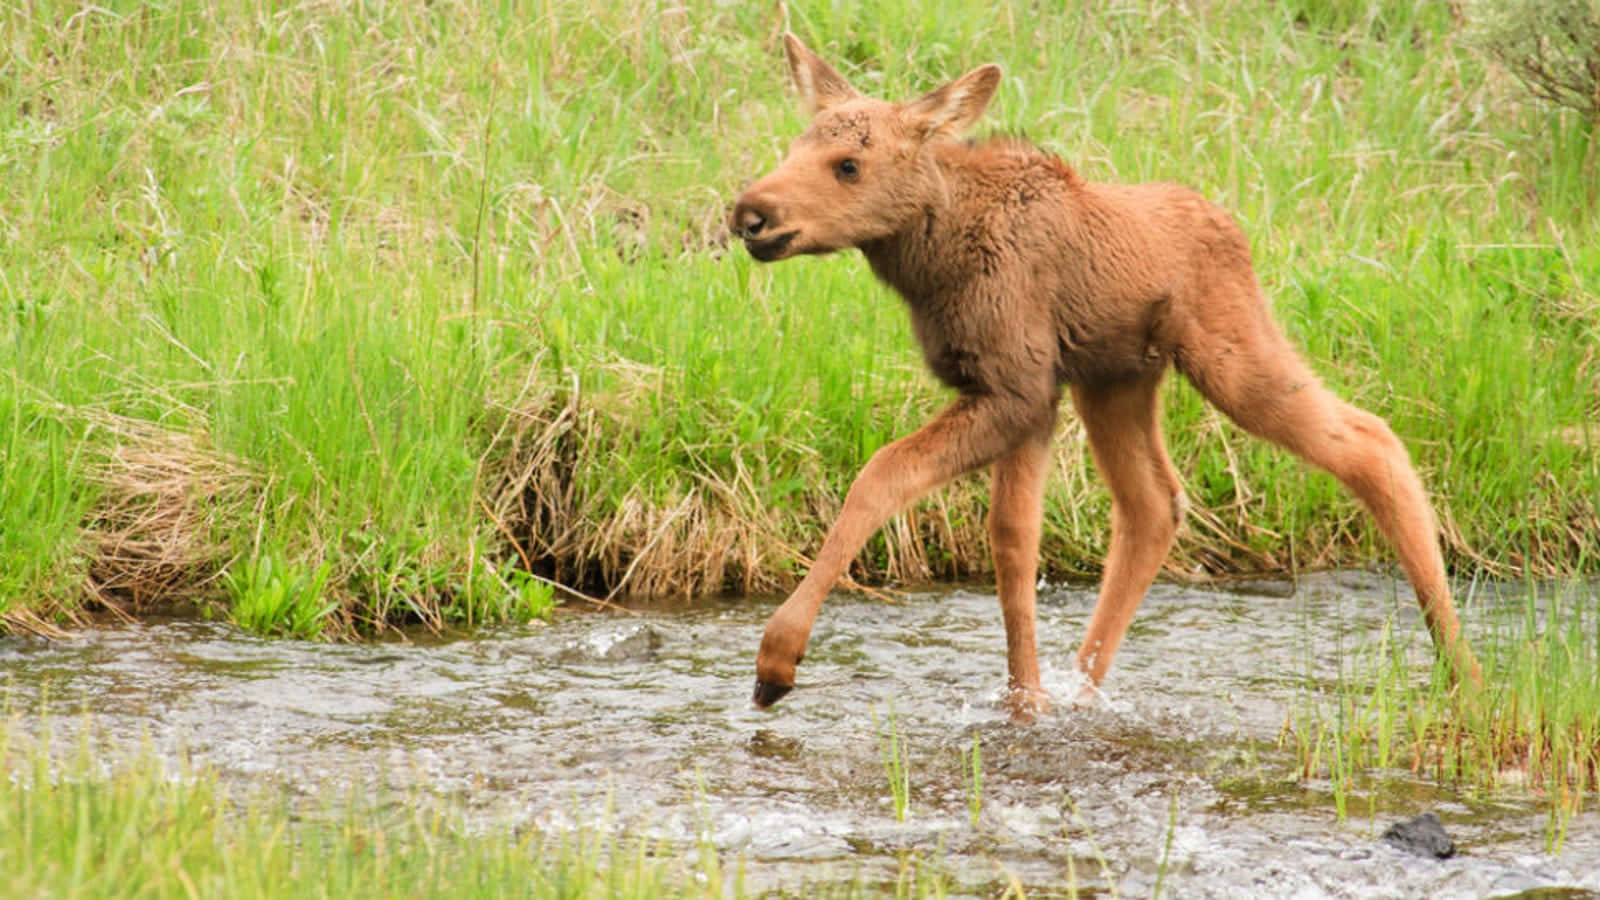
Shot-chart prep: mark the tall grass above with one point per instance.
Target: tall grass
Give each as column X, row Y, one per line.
column 1532, row 729
column 421, row 293
column 973, row 763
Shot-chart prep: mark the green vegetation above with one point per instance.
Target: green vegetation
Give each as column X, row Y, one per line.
column 84, row 828
column 420, row 296
column 974, row 766
column 265, row 598
column 1552, row 45
column 1533, row 728
column 896, row 764
column 135, row 831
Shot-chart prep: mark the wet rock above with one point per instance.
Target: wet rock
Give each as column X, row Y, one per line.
column 1423, row 836
column 1257, row 587
column 629, row 644
column 771, row 745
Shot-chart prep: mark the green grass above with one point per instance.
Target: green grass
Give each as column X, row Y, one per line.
column 1532, row 730
column 428, row 295
column 84, row 826
column 896, row 763
column 266, row 598
column 973, row 763
column 84, row 829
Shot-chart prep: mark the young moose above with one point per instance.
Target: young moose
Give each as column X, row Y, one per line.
column 1022, row 277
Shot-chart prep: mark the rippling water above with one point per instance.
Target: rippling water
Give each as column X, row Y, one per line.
column 644, row 721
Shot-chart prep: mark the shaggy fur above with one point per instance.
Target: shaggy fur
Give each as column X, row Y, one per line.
column 1022, row 277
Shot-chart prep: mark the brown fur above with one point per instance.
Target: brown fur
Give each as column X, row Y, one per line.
column 1021, row 278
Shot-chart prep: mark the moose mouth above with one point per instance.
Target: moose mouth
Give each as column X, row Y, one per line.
column 771, row 248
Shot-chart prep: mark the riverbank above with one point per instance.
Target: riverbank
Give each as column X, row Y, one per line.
column 422, row 307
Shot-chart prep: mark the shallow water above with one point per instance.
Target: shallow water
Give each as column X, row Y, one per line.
column 644, row 721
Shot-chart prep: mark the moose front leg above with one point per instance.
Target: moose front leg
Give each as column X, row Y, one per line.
column 1016, row 507
column 973, row 431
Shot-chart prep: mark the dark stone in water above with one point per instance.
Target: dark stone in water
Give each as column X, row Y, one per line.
column 1423, row 836
column 771, row 745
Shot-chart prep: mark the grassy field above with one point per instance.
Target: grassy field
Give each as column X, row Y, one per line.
column 367, row 313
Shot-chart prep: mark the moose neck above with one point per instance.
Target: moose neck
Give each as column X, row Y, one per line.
column 951, row 240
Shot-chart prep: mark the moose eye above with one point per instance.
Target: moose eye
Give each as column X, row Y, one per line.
column 847, row 169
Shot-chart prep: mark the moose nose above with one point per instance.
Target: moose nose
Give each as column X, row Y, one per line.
column 748, row 220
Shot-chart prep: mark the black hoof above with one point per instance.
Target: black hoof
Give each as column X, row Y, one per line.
column 768, row 693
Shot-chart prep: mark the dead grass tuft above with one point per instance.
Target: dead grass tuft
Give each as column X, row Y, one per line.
column 168, row 502
column 714, row 531
column 539, row 482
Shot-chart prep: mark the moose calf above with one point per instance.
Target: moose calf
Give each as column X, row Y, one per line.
column 1022, row 277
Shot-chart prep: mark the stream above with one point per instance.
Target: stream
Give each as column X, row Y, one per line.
column 1177, row 773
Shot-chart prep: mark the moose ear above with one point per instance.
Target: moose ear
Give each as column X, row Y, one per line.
column 952, row 109
column 820, row 86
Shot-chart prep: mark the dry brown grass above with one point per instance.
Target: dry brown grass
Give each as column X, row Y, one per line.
column 716, row 534
column 168, row 504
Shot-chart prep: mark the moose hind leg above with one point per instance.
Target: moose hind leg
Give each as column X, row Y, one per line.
column 1123, row 422
column 1260, row 381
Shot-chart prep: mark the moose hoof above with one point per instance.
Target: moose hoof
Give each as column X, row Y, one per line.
column 768, row 693
column 1027, row 705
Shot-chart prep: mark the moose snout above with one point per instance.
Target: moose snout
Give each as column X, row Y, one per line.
column 750, row 219
column 758, row 222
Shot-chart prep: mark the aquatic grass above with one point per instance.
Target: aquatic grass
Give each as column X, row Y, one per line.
column 1532, row 730
column 446, row 289
column 81, row 824
column 1094, row 850
column 89, row 827
column 973, row 760
column 896, row 763
column 1166, row 847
